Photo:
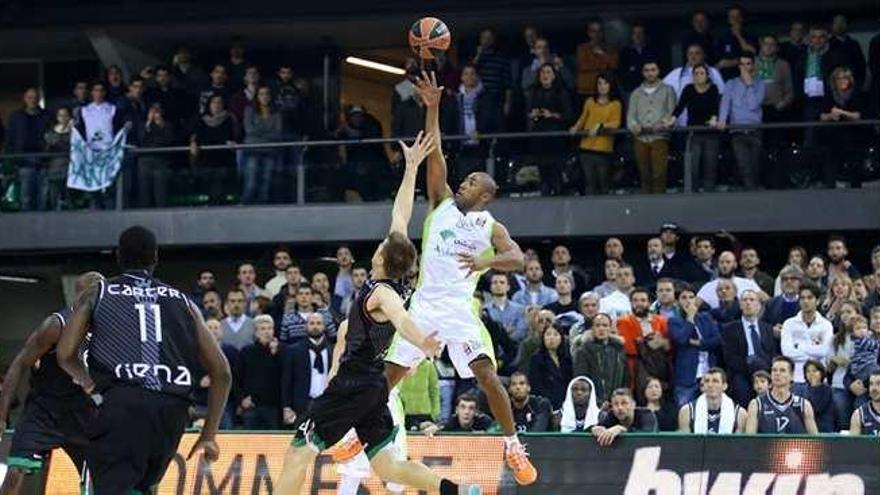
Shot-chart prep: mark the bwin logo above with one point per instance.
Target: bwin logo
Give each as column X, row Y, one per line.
column 645, row 479
column 142, row 370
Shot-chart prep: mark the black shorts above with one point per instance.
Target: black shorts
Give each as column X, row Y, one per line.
column 349, row 403
column 133, row 438
column 49, row 423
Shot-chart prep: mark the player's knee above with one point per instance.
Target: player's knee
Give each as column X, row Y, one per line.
column 484, row 372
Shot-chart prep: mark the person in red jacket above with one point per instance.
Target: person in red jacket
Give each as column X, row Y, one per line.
column 645, row 337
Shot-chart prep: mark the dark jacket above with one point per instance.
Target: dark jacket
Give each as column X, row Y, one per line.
column 259, row 375
column 735, row 348
column 777, row 311
column 534, row 416
column 823, row 407
column 831, row 59
column 296, row 375
column 173, row 102
column 549, row 380
column 482, row 423
column 687, row 356
column 605, row 364
column 154, row 136
column 645, row 277
column 851, row 53
column 644, row 420
column 25, row 131
column 488, row 114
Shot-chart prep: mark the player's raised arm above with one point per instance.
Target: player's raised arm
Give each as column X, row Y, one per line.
column 391, row 305
column 431, row 94
column 338, row 349
column 403, row 202
column 73, row 336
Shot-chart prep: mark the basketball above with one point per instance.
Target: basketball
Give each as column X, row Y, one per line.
column 428, row 37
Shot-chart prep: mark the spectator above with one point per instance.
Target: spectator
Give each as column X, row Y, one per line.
column 680, row 77
column 25, row 135
column 366, row 165
column 669, row 235
column 154, row 168
column 467, row 417
column 750, row 263
column 778, row 94
column 699, row 34
column 218, row 86
column 212, row 305
column 342, row 306
column 600, row 113
column 281, row 261
column 866, row 350
column 633, row 57
column 795, row 48
column 838, row 264
column 623, row 417
column 535, row 293
column 580, row 411
column 645, row 340
column 593, row 58
column 305, row 370
column 510, row 315
column 747, row 346
column 841, row 290
column 205, row 282
column 606, row 288
column 343, row 285
column 79, row 99
column 565, row 308
column 666, row 305
column 842, row 103
column 838, row 364
column 262, row 124
column 247, row 282
column 816, row 272
column 293, row 104
column 864, row 420
column 539, row 320
column 795, row 414
column 420, row 395
column 650, row 105
column 849, row 49
column 548, row 107
column 732, row 44
column 543, row 56
column 259, row 370
column 531, row 413
column 614, row 249
column 713, row 412
column 294, row 278
column 561, row 259
column 57, row 139
column 741, row 106
column 698, row 106
column 797, row 256
column 550, row 369
column 292, row 328
column 531, row 35
column 728, row 304
column 188, row 76
column 664, row 410
column 819, row 395
column 617, row 304
column 231, row 353
column 600, row 354
column 237, row 65
column 760, row 383
column 115, row 86
column 479, row 113
column 238, row 328
column 171, row 99
column 697, row 342
column 214, row 167
column 244, row 94
column 588, row 305
column 655, row 266
column 704, row 259
column 726, row 269
column 806, row 336
column 785, row 305
column 494, row 70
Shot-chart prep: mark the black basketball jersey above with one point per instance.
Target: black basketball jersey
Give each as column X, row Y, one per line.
column 47, row 378
column 786, row 417
column 143, row 335
column 870, row 419
column 367, row 340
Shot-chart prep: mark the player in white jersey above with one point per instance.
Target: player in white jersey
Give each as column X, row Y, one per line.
column 460, row 241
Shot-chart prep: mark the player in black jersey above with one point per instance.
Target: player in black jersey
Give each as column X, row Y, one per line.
column 146, row 339
column 357, row 396
column 713, row 412
column 866, row 419
column 779, row 411
column 56, row 411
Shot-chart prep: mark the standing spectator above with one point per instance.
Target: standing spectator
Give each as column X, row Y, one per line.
column 600, row 113
column 655, row 266
column 785, row 305
column 646, row 341
column 819, row 395
column 494, row 70
column 237, row 66
column 750, row 263
column 623, row 417
column 343, row 284
column 704, row 259
column 25, row 135
column 778, row 83
column 548, row 107
column 305, row 370
column 680, row 77
column 510, row 315
column 212, row 305
column 617, row 304
column 79, row 99
column 593, row 58
column 259, row 371
column 542, row 56
column 262, row 124
column 565, row 308
column 535, row 293
column 713, row 411
column 171, row 99
column 479, row 113
column 205, row 282
column 844, row 102
column 797, row 257
column 238, row 328
column 562, row 265
column 655, row 399
column 609, row 268
column 602, row 358
column 341, row 305
column 231, row 353
column 726, row 270
column 154, row 168
column 699, row 34
column 245, row 95
column 699, row 102
column 281, row 261
column 741, row 105
column 649, row 108
column 188, row 76
column 580, row 411
column 849, row 49
column 100, row 122
column 781, row 410
column 218, row 86
column 733, row 44
column 795, row 48
column 292, row 327
column 247, row 282
column 531, row 413
column 116, row 88
column 57, row 139
column 666, row 305
column 295, row 123
column 806, row 336
column 214, row 167
column 633, row 57
column 728, row 304
column 816, row 272
column 874, row 67
column 294, row 279
column 588, row 305
column 550, row 369
column 697, row 342
column 366, row 177
column 747, row 346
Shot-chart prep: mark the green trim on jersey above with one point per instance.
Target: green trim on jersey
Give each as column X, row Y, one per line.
column 373, row 451
column 24, row 464
column 485, row 337
column 426, row 230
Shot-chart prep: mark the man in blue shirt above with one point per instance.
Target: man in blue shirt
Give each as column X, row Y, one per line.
column 508, row 314
column 535, row 292
column 741, row 105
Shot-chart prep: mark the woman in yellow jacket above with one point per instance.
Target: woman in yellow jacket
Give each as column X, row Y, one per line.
column 600, row 112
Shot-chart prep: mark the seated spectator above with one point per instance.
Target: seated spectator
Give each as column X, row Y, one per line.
column 646, row 341
column 238, row 328
column 741, row 106
column 247, row 282
column 420, row 395
column 535, row 293
column 562, row 264
column 841, row 290
column 262, row 124
column 819, row 395
column 697, row 342
column 292, row 327
column 259, row 369
column 866, row 419
column 843, row 102
column 505, row 348
column 565, row 308
column 797, row 257
column 531, row 413
column 213, row 168
column 57, row 139
column 632, row 57
column 806, row 336
column 780, row 411
column 261, row 305
column 617, row 304
column 467, row 417
column 593, row 58
column 212, row 305
column 704, row 259
column 294, row 278
column 655, row 266
column 600, row 355
column 816, row 272
column 655, row 400
column 231, row 353
column 602, row 112
column 760, row 382
column 548, row 108
column 281, row 261
column 510, row 315
column 550, row 369
column 359, row 277
column 666, row 304
column 733, row 43
column 726, row 270
column 785, row 305
column 539, row 321
column 650, row 105
column 305, row 370
column 622, row 418
column 866, row 350
column 750, row 264
column 580, row 411
column 747, row 346
column 698, row 106
column 713, row 412
column 531, row 73
column 588, row 305
column 728, row 304
column 839, row 362
column 609, row 268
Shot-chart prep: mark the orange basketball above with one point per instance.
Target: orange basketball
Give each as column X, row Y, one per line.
column 429, row 37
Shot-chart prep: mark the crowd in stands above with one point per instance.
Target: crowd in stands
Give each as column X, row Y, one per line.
column 642, row 341
column 732, row 76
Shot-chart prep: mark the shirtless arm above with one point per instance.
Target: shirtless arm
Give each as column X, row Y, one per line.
column 431, row 94
column 508, row 255
column 338, row 349
column 388, row 303
column 403, row 201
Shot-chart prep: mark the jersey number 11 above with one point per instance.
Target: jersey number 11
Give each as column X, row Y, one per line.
column 142, row 320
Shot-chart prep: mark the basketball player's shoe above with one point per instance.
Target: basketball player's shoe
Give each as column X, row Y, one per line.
column 518, row 461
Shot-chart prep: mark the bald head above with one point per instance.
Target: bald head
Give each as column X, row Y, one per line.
column 487, row 183
column 87, row 280
column 477, row 190
column 726, row 264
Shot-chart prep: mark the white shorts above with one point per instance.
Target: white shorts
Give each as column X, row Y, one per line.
column 458, row 328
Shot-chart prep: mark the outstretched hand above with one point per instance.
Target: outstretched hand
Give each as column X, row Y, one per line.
column 420, row 149
column 209, row 446
column 431, row 346
column 428, row 90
